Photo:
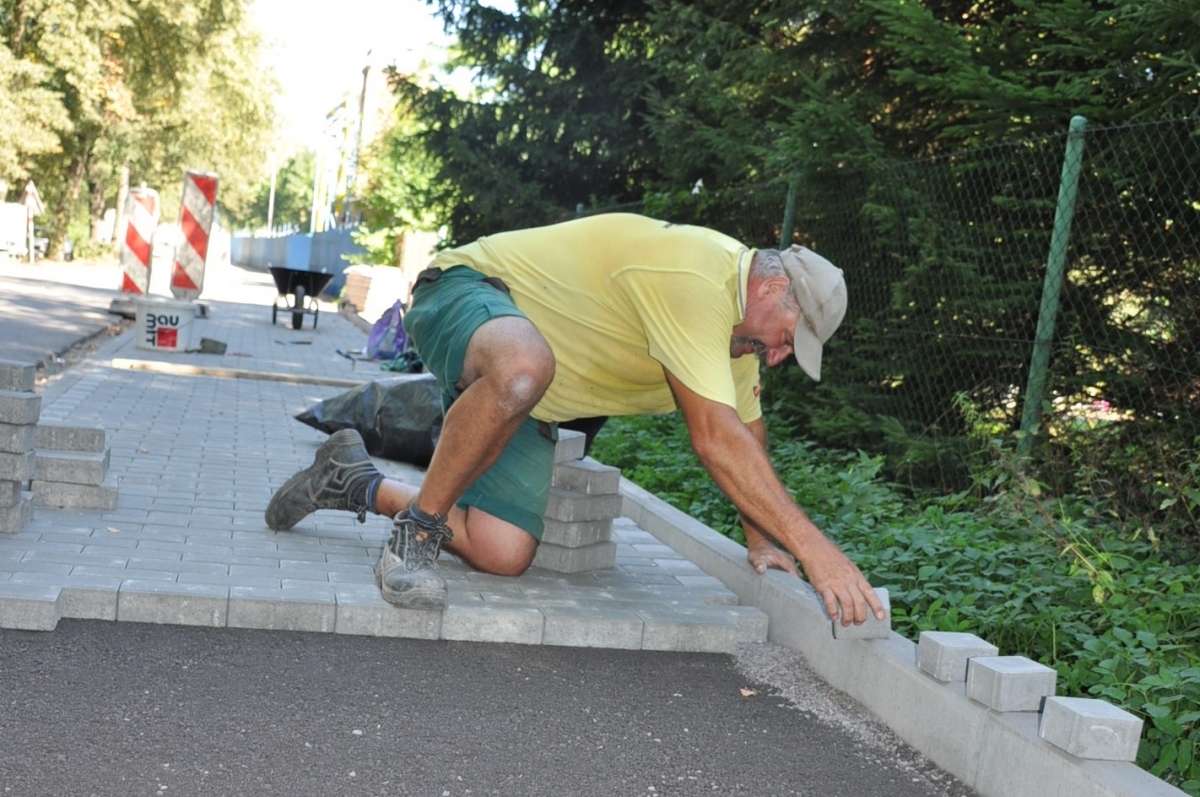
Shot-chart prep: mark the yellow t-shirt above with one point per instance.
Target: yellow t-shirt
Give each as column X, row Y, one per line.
column 620, row 297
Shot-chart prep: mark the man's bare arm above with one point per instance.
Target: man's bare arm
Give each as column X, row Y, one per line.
column 761, row 550
column 739, row 464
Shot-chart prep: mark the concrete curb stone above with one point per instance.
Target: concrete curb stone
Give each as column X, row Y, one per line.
column 998, row 753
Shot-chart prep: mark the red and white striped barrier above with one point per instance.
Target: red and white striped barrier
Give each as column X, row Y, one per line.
column 195, row 221
column 141, row 217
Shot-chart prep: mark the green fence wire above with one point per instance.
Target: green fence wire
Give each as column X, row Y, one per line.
column 946, row 264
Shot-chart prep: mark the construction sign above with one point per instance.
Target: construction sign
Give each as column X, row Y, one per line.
column 195, row 222
column 141, row 217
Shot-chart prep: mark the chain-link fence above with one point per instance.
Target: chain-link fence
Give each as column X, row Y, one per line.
column 982, row 278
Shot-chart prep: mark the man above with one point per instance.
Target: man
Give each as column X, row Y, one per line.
column 610, row 315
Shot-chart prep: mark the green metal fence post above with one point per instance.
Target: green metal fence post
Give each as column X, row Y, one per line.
column 789, row 214
column 1068, row 190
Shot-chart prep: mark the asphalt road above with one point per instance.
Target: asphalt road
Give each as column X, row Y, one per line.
column 97, row 708
column 41, row 320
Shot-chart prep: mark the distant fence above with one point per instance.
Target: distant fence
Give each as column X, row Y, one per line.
column 326, row 252
column 1049, row 287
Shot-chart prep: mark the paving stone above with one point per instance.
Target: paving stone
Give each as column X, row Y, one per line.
column 71, row 467
column 1089, row 728
column 571, row 445
column 29, row 607
column 17, row 376
column 592, row 626
column 576, row 534
column 361, row 610
column 872, row 628
column 17, row 467
column 17, row 438
column 18, row 408
column 148, row 601
column 944, row 654
column 558, row 558
column 62, row 437
column 1009, row 683
column 62, row 495
column 10, row 493
column 15, row 518
column 569, row 506
column 587, row 476
column 492, row 622
column 282, row 609
column 90, row 597
column 705, row 629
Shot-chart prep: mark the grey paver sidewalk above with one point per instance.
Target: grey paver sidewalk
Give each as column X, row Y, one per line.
column 196, row 458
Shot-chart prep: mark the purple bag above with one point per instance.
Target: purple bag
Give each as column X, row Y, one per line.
column 387, row 339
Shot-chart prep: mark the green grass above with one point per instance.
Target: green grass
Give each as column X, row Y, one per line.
column 1039, row 577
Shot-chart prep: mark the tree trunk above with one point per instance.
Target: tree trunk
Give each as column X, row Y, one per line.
column 96, row 209
column 61, row 216
column 122, row 195
column 16, row 39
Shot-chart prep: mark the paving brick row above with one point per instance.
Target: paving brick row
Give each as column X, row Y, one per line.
column 190, row 544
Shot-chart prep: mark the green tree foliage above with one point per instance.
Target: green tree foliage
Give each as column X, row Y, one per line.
column 944, row 256
column 293, row 198
column 156, row 86
column 400, row 173
column 558, row 119
column 31, row 116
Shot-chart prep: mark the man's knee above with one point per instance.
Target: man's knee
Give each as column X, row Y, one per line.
column 494, row 546
column 510, row 563
column 524, row 378
column 513, row 355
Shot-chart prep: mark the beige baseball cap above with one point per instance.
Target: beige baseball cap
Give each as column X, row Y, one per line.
column 820, row 288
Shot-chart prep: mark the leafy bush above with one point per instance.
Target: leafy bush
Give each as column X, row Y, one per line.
column 1037, row 577
column 87, row 249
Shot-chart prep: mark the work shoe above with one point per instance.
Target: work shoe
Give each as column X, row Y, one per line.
column 339, row 478
column 408, row 573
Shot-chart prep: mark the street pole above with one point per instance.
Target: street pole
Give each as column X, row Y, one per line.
column 271, row 200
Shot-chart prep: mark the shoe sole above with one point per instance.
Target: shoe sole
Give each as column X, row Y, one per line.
column 341, row 440
column 425, row 599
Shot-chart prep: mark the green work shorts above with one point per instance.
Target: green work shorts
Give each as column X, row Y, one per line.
column 444, row 315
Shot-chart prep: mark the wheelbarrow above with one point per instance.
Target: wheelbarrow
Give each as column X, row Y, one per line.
column 302, row 287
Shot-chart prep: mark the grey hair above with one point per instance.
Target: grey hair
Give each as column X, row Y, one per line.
column 767, row 263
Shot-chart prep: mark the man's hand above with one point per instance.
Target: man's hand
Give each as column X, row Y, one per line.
column 840, row 584
column 764, row 555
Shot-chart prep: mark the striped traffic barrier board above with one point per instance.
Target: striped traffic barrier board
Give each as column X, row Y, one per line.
column 195, row 222
column 141, row 216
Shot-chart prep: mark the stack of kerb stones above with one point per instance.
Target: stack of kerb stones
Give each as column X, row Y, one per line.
column 19, row 411
column 584, row 500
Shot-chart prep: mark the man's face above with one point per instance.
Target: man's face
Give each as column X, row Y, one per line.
column 772, row 346
column 769, row 327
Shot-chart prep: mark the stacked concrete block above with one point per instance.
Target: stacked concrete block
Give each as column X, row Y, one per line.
column 1088, row 728
column 71, row 470
column 944, row 654
column 20, row 408
column 584, row 501
column 1010, row 683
